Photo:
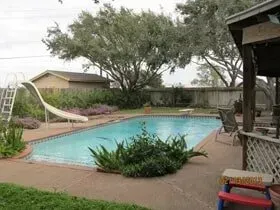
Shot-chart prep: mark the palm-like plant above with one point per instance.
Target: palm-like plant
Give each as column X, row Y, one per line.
column 11, row 140
column 108, row 160
column 146, row 155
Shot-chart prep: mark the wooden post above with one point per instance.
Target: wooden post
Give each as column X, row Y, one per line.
column 248, row 88
column 253, row 104
column 277, row 91
column 277, row 102
column 248, row 97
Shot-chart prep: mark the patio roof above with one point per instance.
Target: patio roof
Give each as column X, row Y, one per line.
column 253, row 27
column 257, row 37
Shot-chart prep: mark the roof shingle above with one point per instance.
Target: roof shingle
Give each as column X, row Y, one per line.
column 74, row 76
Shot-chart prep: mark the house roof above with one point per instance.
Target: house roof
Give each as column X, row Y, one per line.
column 73, row 76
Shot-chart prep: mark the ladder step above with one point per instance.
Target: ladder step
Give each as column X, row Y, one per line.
column 5, row 112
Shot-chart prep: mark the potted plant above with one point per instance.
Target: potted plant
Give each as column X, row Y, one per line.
column 147, row 108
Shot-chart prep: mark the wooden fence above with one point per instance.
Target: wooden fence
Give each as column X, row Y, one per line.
column 204, row 97
column 197, row 97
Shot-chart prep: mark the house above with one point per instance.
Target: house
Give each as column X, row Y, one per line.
column 71, row 80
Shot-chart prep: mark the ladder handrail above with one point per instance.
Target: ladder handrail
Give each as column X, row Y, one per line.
column 2, row 95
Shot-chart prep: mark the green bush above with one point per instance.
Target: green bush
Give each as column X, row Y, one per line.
column 11, row 141
column 109, row 161
column 27, row 106
column 151, row 167
column 146, row 155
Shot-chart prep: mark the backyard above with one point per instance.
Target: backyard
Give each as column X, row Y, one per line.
column 193, row 187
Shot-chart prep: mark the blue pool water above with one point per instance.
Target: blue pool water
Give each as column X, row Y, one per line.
column 73, row 149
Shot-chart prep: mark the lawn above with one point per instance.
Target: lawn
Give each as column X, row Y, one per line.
column 167, row 110
column 21, row 198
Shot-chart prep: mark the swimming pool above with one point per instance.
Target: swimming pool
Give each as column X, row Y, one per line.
column 73, row 148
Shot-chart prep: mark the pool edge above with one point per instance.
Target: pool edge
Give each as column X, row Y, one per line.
column 78, row 130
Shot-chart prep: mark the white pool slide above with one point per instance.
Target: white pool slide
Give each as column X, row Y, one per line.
column 66, row 115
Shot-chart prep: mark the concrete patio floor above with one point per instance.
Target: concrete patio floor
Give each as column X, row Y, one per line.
column 195, row 186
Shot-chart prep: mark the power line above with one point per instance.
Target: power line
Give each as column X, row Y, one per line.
column 40, row 9
column 24, row 57
column 19, row 42
column 38, row 17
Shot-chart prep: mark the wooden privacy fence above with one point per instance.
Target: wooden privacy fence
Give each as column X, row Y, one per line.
column 204, row 97
column 261, row 154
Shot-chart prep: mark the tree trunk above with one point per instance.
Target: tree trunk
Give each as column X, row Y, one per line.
column 232, row 83
column 268, row 89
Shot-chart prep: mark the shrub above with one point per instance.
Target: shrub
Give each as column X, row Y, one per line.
column 146, row 155
column 78, row 102
column 151, row 167
column 108, row 161
column 133, row 100
column 11, row 141
column 27, row 123
column 96, row 109
column 26, row 106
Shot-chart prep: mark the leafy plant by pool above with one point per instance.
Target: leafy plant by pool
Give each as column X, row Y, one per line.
column 11, row 141
column 146, row 155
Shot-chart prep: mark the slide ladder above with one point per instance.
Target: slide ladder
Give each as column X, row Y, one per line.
column 7, row 102
column 8, row 95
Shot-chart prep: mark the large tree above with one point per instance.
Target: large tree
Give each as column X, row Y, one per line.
column 134, row 49
column 210, row 41
column 207, row 77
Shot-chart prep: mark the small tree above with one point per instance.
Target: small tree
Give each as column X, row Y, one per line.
column 134, row 49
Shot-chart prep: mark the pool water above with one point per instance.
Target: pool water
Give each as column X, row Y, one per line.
column 73, row 149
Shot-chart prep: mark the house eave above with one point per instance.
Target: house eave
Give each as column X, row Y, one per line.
column 260, row 8
column 48, row 72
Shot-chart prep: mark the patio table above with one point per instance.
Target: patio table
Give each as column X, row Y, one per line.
column 247, row 180
column 235, row 174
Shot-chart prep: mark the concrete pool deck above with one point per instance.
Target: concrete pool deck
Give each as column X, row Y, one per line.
column 195, row 186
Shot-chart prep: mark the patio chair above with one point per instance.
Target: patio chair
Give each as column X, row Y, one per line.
column 229, row 124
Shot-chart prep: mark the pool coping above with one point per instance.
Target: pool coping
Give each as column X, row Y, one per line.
column 23, row 157
column 111, row 122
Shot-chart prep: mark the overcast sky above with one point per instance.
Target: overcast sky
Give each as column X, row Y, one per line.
column 24, row 24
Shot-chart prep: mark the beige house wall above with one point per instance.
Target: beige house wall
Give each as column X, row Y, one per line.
column 51, row 81
column 87, row 85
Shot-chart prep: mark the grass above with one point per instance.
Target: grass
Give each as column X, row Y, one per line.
column 166, row 110
column 21, row 198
